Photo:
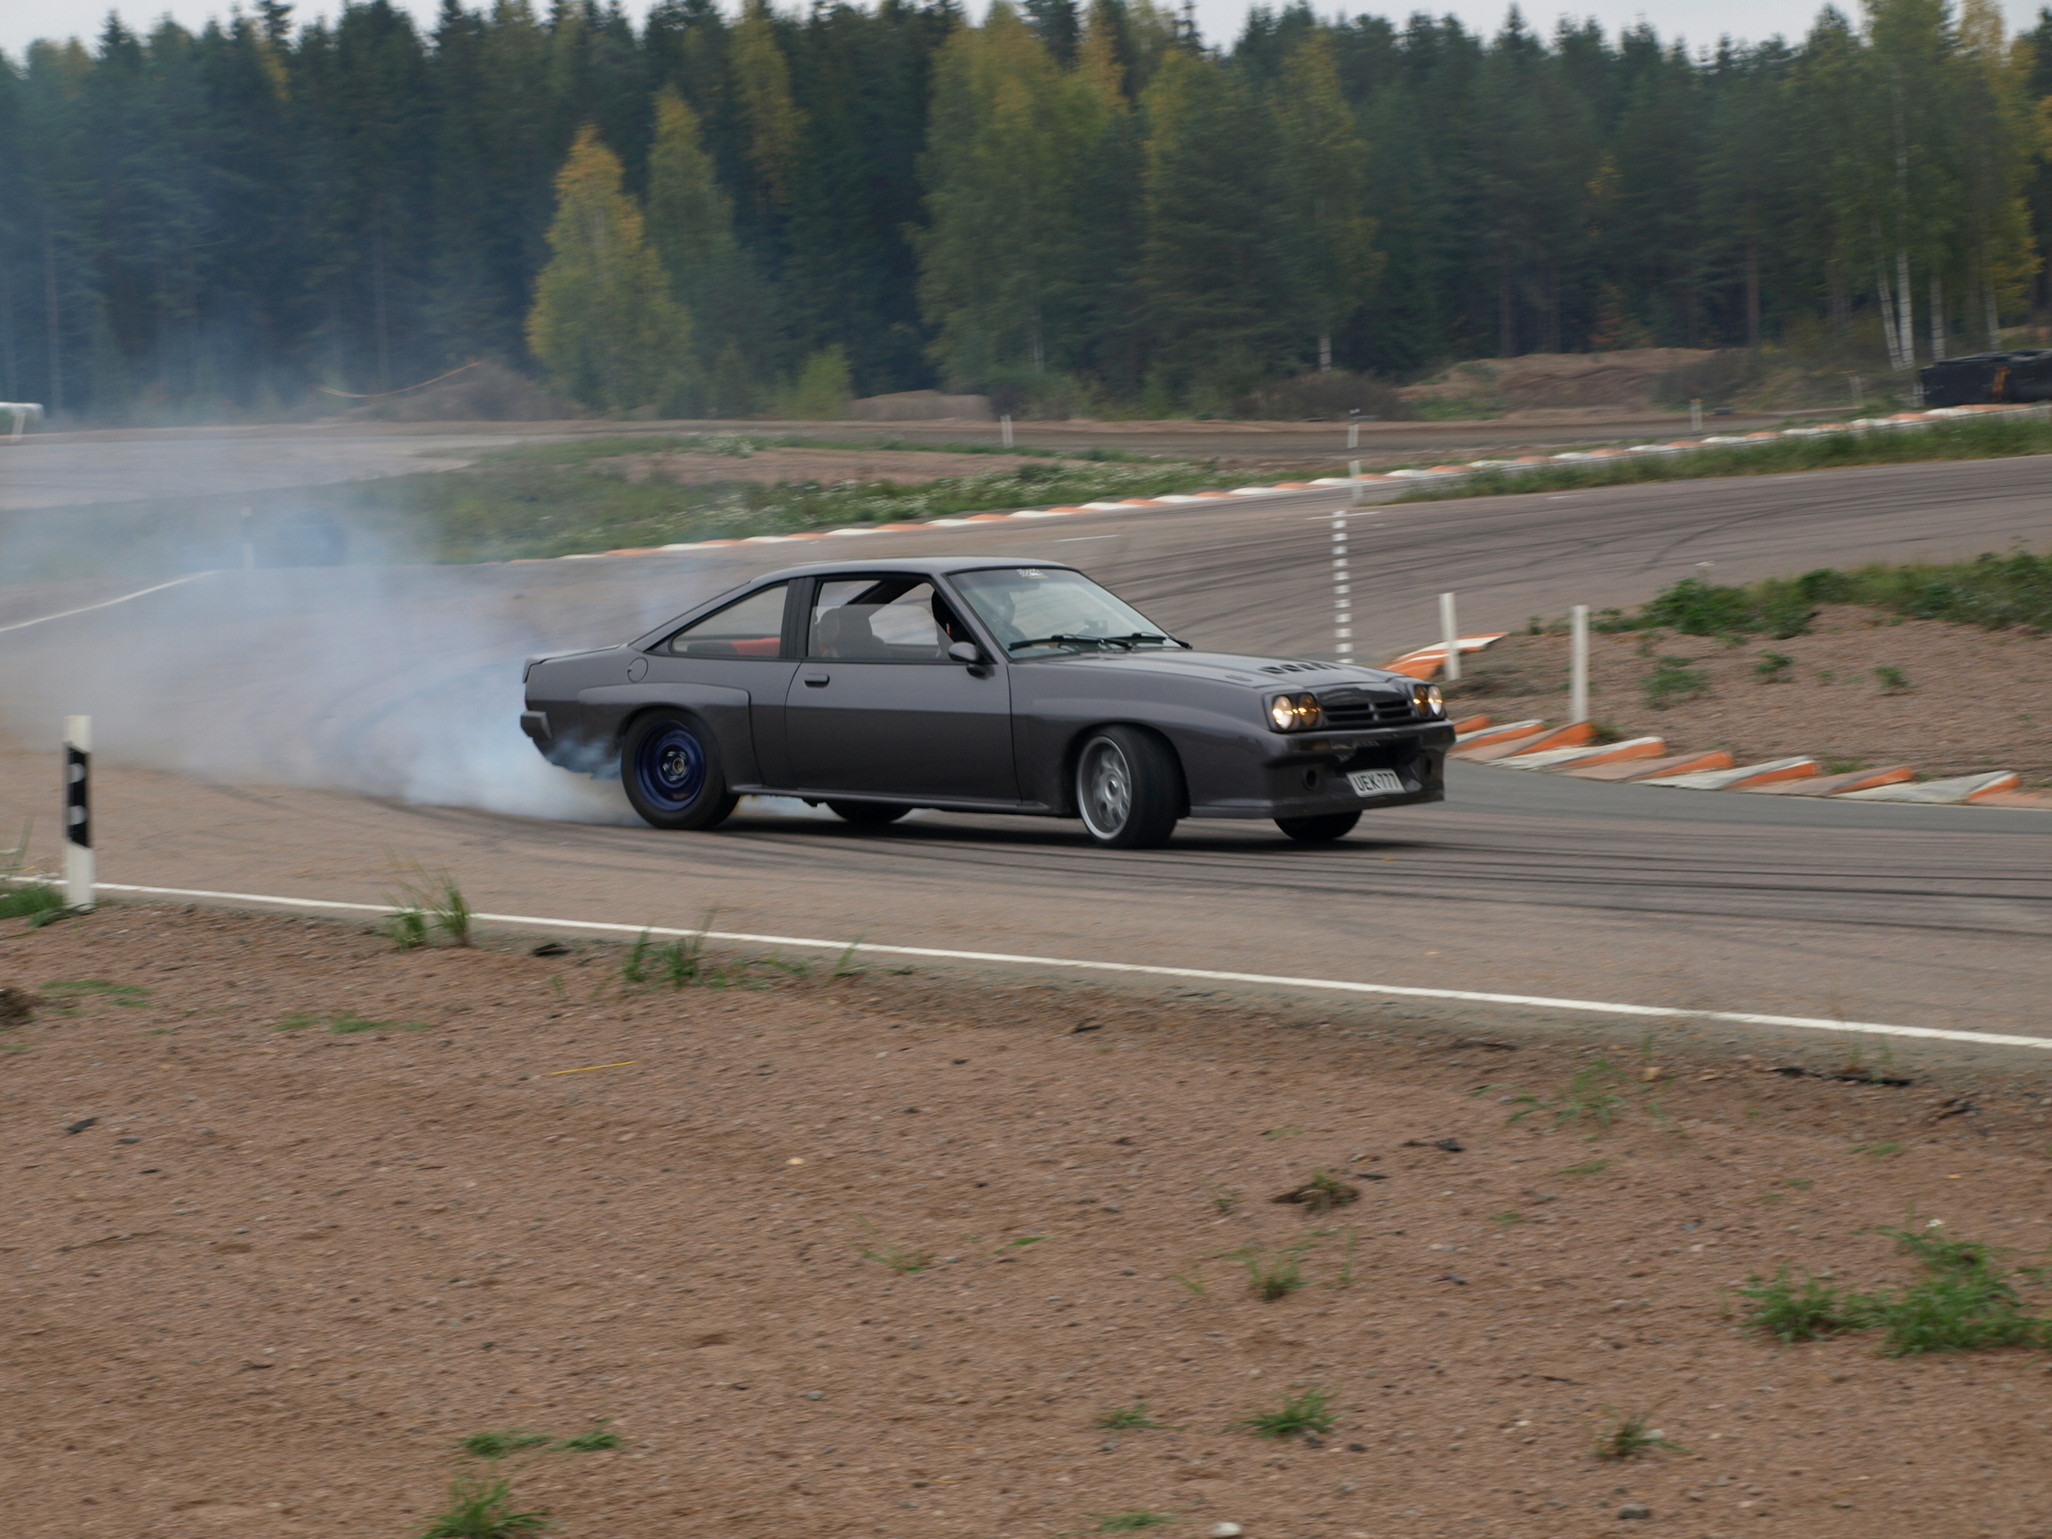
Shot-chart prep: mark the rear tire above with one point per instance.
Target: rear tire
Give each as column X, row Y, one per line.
column 868, row 814
column 670, row 768
column 1323, row 829
column 1129, row 788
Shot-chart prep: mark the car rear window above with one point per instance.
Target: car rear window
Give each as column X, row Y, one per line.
column 749, row 627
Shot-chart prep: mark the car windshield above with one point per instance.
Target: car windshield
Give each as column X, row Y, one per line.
column 1037, row 610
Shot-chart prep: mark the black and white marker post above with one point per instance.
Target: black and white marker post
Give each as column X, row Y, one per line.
column 78, row 822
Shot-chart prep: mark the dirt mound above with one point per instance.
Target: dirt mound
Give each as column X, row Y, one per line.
column 923, row 406
column 1628, row 379
column 486, row 391
column 291, row 1214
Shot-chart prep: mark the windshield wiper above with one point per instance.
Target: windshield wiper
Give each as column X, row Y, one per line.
column 1062, row 640
column 1128, row 642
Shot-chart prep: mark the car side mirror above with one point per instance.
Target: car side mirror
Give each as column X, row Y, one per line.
column 965, row 652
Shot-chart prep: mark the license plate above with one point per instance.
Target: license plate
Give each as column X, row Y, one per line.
column 1376, row 783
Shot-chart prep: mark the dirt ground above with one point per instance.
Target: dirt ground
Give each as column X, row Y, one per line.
column 1625, row 378
column 1970, row 700
column 878, row 1251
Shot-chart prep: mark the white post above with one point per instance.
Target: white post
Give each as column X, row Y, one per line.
column 1696, row 416
column 1354, row 471
column 1354, row 435
column 1342, row 592
column 1450, row 635
column 1578, row 664
column 1005, row 423
column 78, row 827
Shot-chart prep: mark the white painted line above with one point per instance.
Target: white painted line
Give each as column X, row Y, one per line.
column 1208, row 975
column 85, row 609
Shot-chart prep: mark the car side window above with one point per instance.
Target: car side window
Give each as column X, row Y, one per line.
column 748, row 627
column 882, row 619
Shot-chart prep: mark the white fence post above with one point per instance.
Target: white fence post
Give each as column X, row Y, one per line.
column 1354, row 474
column 1005, row 423
column 78, row 825
column 1578, row 664
column 1450, row 634
column 1696, row 416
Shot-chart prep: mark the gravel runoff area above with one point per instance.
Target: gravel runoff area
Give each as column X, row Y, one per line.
column 1966, row 700
column 290, row 1212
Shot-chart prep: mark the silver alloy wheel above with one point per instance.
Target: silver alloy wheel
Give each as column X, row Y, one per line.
column 1104, row 788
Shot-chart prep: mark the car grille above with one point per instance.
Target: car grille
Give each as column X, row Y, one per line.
column 1345, row 708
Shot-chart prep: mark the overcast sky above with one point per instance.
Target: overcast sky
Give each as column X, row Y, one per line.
column 1701, row 22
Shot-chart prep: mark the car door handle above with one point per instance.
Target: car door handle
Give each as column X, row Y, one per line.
column 818, row 680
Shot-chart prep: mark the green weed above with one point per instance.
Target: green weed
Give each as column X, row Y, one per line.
column 1888, row 1149
column 1224, row 1198
column 1586, row 1168
column 407, row 927
column 1674, row 679
column 1310, row 1412
column 356, row 1025
column 1507, row 1219
column 1629, row 1436
column 597, row 1440
column 130, row 996
column 497, row 1445
column 844, row 964
column 1193, row 1283
column 1809, row 1311
column 1590, row 1096
column 1122, row 1417
column 1772, row 668
column 1132, row 1522
column 30, row 900
column 900, row 1259
column 479, row 1510
column 1893, row 680
column 1273, row 1275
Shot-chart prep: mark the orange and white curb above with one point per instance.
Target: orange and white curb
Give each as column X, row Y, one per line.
column 1535, row 746
column 1326, row 484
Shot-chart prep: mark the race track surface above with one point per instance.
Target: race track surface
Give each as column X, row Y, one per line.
column 308, row 732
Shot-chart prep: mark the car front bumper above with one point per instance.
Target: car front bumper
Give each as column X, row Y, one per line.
column 1307, row 776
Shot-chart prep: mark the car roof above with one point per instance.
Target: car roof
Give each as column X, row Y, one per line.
column 925, row 566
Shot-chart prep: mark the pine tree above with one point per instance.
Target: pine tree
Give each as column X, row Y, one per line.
column 603, row 323
column 1323, row 170
column 691, row 226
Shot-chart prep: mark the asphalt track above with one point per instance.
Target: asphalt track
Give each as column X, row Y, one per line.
column 304, row 733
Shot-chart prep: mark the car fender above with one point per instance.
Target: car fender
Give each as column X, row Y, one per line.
column 724, row 709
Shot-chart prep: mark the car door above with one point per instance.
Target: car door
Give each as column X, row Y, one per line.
column 878, row 708
column 739, row 647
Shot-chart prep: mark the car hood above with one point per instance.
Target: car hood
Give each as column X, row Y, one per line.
column 1232, row 668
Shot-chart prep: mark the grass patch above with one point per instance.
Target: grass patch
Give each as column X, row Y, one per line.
column 1309, row 1413
column 1968, row 1299
column 481, row 1509
column 1991, row 591
column 1888, row 1149
column 1132, row 1522
column 900, row 1258
column 597, row 1440
column 1629, row 1436
column 497, row 1445
column 357, row 1025
column 1772, row 668
column 1592, row 1095
column 1674, row 679
column 561, row 499
column 1962, row 439
column 1122, row 1417
column 1586, row 1168
column 1273, row 1275
column 130, row 996
column 30, row 900
column 1891, row 679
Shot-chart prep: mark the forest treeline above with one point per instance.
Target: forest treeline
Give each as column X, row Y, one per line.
column 1069, row 205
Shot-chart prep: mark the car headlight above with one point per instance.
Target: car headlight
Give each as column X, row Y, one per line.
column 1294, row 713
column 1427, row 699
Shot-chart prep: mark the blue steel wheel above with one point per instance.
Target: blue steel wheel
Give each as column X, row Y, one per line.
column 671, row 771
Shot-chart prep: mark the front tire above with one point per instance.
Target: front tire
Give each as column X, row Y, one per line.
column 1129, row 788
column 1323, row 829
column 670, row 767
column 868, row 814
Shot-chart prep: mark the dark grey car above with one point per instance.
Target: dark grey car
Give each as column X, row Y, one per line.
column 979, row 685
